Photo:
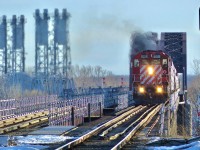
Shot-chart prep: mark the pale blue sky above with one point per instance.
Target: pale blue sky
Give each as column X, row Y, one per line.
column 100, row 29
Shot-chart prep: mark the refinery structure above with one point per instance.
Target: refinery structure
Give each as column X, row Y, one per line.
column 12, row 51
column 52, row 51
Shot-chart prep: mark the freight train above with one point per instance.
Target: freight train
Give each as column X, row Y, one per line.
column 153, row 77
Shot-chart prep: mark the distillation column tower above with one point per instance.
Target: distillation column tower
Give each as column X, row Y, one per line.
column 12, row 51
column 51, row 41
column 3, row 45
column 52, row 51
column 62, row 57
column 41, row 43
column 17, row 53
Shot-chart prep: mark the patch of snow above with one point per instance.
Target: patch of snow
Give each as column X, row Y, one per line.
column 3, row 140
column 24, row 147
column 41, row 139
column 191, row 146
column 154, row 139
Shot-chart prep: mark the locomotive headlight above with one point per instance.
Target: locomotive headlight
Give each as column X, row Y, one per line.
column 159, row 89
column 150, row 70
column 141, row 89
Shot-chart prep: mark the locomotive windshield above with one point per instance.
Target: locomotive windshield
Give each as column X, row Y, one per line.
column 144, row 56
column 156, row 56
column 151, row 62
column 145, row 62
column 155, row 62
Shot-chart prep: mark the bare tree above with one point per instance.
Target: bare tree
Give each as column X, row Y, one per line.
column 91, row 76
column 196, row 66
column 193, row 91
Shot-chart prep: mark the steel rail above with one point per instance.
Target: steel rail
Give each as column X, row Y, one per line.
column 153, row 125
column 136, row 128
column 97, row 130
column 127, row 128
column 121, row 121
column 124, row 110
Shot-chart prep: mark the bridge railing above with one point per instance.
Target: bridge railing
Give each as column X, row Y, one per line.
column 69, row 110
column 72, row 111
column 17, row 107
column 122, row 101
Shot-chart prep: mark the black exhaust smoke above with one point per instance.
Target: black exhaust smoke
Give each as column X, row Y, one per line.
column 143, row 41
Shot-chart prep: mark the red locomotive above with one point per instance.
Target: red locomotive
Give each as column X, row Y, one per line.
column 153, row 77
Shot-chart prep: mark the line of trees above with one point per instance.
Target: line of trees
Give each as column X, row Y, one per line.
column 83, row 76
column 92, row 76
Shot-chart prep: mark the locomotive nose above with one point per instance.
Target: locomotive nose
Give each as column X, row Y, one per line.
column 150, row 92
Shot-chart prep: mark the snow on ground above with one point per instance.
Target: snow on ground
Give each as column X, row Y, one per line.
column 191, row 146
column 24, row 147
column 34, row 142
column 153, row 139
column 41, row 139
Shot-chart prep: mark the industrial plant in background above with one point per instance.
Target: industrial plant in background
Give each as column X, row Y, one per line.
column 12, row 52
column 52, row 52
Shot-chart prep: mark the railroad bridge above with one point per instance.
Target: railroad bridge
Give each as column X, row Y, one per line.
column 93, row 117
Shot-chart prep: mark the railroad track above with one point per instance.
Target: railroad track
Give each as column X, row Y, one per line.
column 115, row 133
column 140, row 140
column 29, row 120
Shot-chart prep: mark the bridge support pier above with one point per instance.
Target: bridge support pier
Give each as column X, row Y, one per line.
column 184, row 119
column 172, row 127
column 171, row 123
column 100, row 111
column 89, row 112
column 73, row 118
